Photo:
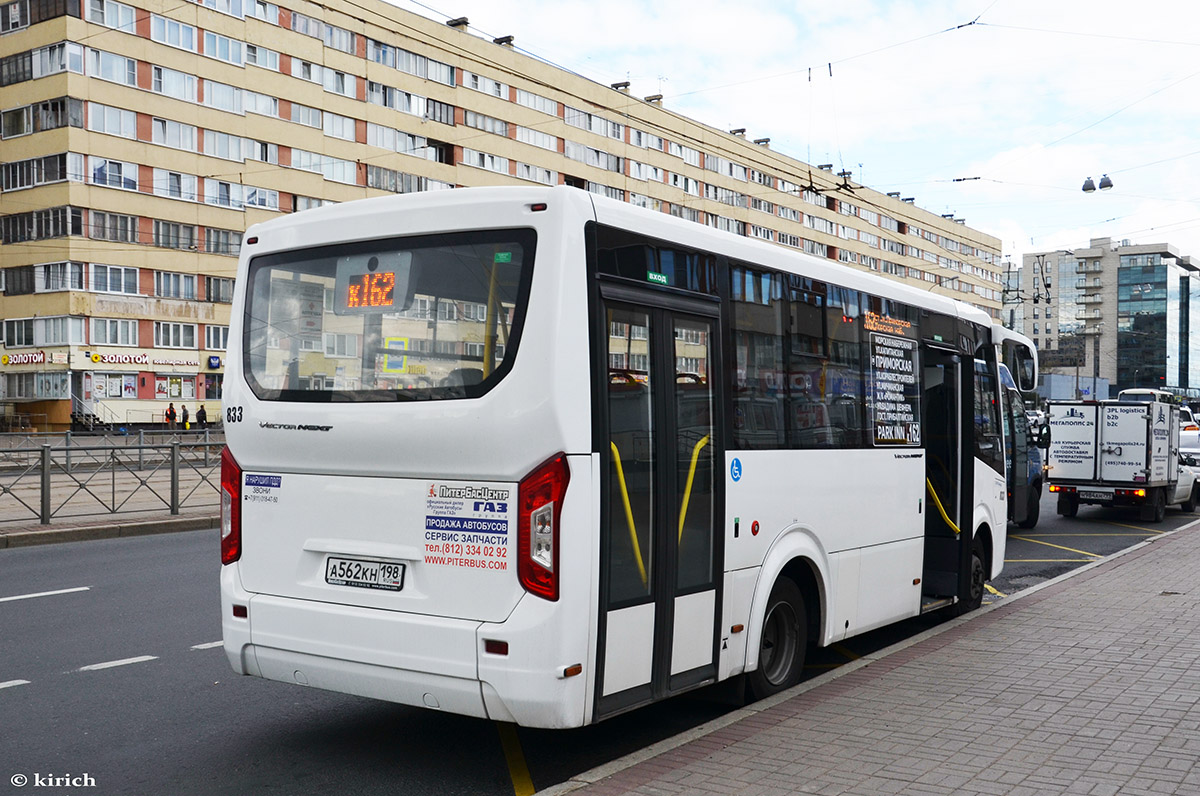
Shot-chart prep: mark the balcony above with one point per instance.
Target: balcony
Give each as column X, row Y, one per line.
column 1089, row 268
column 1092, row 299
column 1088, row 315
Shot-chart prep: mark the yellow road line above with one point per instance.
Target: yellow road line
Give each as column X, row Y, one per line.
column 993, row 591
column 1058, row 546
column 1047, row 560
column 1137, row 528
column 1113, row 535
column 517, row 770
column 841, row 649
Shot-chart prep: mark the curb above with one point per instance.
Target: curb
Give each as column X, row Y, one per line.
column 605, row 770
column 80, row 533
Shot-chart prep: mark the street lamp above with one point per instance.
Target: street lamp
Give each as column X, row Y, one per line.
column 1090, row 187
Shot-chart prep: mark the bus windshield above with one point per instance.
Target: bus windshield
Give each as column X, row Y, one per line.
column 417, row 318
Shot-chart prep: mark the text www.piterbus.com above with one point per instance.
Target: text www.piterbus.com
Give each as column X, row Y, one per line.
column 473, row 563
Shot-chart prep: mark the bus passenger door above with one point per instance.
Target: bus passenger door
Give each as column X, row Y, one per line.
column 942, row 406
column 660, row 499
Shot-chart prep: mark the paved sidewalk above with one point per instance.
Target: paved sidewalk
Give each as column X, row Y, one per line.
column 1087, row 684
column 105, row 526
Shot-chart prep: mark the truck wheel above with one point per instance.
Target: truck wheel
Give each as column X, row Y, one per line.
column 1155, row 507
column 1034, row 511
column 1068, row 504
column 1189, row 505
column 783, row 642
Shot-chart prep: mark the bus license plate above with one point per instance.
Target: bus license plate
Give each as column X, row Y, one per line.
column 364, row 574
column 1089, row 495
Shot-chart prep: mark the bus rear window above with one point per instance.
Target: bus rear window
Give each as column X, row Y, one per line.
column 415, row 318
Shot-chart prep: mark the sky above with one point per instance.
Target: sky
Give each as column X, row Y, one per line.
column 993, row 110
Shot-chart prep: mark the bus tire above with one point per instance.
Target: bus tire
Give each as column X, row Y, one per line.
column 978, row 576
column 783, row 643
column 1035, row 509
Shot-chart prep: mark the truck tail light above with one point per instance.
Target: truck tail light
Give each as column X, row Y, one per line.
column 539, row 515
column 231, row 508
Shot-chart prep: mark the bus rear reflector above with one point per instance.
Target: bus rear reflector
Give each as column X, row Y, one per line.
column 231, row 508
column 539, row 513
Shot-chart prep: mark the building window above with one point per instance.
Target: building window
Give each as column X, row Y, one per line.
column 174, row 335
column 172, row 32
column 114, row 331
column 114, row 279
column 341, row 345
column 216, row 338
column 113, row 173
column 172, row 285
column 261, row 56
column 174, row 236
column 113, row 226
column 171, row 83
column 218, row 290
column 176, row 135
column 222, row 48
column 114, row 121
column 222, row 241
column 108, row 66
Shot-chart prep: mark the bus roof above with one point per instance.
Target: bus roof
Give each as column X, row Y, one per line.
column 311, row 227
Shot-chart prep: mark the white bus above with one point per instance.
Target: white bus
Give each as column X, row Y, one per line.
column 540, row 456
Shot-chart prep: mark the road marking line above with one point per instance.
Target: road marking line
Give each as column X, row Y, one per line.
column 844, row 651
column 43, row 594
column 993, row 591
column 208, row 646
column 1058, row 546
column 517, row 770
column 1047, row 560
column 11, row 683
column 1137, row 528
column 1083, row 535
column 111, row 664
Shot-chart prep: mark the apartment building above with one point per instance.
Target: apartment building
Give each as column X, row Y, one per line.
column 140, row 140
column 1113, row 310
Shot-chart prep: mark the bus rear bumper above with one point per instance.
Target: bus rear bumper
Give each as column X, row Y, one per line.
column 430, row 662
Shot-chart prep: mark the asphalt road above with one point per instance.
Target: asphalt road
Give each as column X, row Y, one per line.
column 114, row 672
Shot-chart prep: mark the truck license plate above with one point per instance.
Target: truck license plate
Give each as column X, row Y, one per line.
column 365, row 574
column 1089, row 495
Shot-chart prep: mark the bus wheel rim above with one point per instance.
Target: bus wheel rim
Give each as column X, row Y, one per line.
column 780, row 640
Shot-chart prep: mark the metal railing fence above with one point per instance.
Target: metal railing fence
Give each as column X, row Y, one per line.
column 44, row 477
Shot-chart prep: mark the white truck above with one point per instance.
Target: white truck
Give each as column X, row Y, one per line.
column 1118, row 453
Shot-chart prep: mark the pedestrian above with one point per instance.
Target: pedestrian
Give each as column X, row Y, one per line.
column 170, row 416
column 185, row 418
column 201, row 417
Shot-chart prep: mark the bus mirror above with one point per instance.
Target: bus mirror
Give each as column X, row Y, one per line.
column 1043, row 436
column 1026, row 371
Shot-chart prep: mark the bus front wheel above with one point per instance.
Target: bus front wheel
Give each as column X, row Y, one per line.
column 783, row 643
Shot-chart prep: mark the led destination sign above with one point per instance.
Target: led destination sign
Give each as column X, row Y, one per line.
column 374, row 282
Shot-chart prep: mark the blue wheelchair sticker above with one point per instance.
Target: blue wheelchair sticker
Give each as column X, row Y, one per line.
column 735, row 470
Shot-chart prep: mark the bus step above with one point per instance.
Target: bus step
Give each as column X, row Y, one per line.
column 929, row 604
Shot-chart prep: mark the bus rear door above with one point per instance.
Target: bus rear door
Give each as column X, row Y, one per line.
column 660, row 496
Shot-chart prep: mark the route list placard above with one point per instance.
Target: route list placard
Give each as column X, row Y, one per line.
column 895, row 393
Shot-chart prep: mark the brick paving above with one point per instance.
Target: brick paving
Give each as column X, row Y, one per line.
column 1087, row 685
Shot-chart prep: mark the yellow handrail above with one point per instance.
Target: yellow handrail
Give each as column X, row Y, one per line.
column 687, row 491
column 637, row 548
column 940, row 508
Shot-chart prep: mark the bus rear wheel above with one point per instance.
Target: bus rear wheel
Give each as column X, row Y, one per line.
column 783, row 643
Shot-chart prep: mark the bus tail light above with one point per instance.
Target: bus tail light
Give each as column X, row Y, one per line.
column 231, row 508
column 539, row 514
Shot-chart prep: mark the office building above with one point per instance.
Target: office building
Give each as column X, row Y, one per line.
column 1116, row 311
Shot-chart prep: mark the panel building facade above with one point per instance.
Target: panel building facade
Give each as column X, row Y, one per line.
column 141, row 139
